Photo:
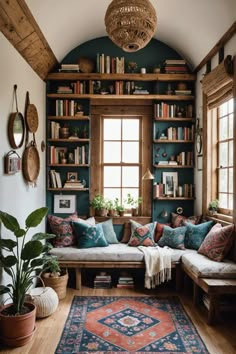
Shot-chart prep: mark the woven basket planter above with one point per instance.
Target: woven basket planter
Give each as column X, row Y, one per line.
column 58, row 284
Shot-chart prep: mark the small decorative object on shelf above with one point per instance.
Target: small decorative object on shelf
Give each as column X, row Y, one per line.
column 132, row 66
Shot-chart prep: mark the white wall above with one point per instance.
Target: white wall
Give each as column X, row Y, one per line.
column 230, row 49
column 16, row 196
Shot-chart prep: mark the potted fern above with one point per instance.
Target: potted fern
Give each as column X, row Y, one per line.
column 22, row 259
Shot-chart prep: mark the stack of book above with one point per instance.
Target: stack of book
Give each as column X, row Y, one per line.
column 73, row 184
column 125, row 281
column 69, row 68
column 64, row 89
column 175, row 66
column 102, row 281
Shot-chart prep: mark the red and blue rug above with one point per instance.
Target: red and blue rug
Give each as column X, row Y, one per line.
column 111, row 324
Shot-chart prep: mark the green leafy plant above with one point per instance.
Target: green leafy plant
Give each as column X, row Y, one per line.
column 98, row 202
column 25, row 258
column 214, row 205
column 52, row 267
column 133, row 202
column 110, row 205
column 118, row 206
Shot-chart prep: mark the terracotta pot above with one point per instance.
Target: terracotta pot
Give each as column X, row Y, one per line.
column 58, row 284
column 101, row 212
column 23, row 325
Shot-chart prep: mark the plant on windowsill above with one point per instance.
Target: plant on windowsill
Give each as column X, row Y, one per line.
column 23, row 259
column 213, row 207
column 110, row 206
column 99, row 205
column 134, row 203
column 119, row 207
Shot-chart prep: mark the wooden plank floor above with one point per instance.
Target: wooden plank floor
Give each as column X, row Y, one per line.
column 219, row 339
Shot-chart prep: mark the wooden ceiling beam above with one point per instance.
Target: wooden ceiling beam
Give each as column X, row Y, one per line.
column 20, row 28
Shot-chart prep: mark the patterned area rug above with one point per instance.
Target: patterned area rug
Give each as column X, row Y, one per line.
column 111, row 324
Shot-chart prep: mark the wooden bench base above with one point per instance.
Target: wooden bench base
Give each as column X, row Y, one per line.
column 214, row 288
column 79, row 265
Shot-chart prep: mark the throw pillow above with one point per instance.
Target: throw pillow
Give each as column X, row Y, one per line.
column 126, row 233
column 63, row 230
column 142, row 235
column 159, row 231
column 195, row 234
column 173, row 237
column 109, row 231
column 217, row 242
column 179, row 220
column 90, row 220
column 88, row 236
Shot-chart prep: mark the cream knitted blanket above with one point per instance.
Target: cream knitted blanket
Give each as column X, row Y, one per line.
column 158, row 265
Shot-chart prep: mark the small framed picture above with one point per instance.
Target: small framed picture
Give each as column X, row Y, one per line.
column 72, row 176
column 170, row 180
column 64, row 204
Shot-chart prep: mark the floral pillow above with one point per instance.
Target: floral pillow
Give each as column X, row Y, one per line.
column 179, row 220
column 173, row 238
column 195, row 234
column 142, row 235
column 217, row 242
column 63, row 230
column 88, row 236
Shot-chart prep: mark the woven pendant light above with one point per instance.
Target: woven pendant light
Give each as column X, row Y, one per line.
column 130, row 24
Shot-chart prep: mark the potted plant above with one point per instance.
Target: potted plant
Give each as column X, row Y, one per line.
column 55, row 277
column 22, row 260
column 213, row 207
column 119, row 207
column 134, row 203
column 110, row 206
column 99, row 205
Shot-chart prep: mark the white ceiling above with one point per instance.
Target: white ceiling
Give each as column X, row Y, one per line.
column 191, row 27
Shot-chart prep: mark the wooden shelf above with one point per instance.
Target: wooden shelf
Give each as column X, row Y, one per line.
column 69, row 118
column 174, row 119
column 173, row 166
column 69, row 189
column 126, row 76
column 107, row 97
column 80, row 140
column 174, row 198
column 165, row 141
column 67, row 165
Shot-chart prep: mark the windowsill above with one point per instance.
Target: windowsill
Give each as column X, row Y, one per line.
column 125, row 218
column 221, row 218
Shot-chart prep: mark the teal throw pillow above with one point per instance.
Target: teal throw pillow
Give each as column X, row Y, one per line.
column 195, row 234
column 88, row 236
column 173, row 237
column 108, row 231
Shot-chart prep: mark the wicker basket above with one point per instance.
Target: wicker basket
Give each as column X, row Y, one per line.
column 45, row 299
column 58, row 284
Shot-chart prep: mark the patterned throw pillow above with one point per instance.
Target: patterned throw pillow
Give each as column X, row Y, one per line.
column 126, row 232
column 142, row 235
column 173, row 237
column 88, row 236
column 109, row 231
column 63, row 230
column 195, row 234
column 179, row 220
column 217, row 242
column 159, row 231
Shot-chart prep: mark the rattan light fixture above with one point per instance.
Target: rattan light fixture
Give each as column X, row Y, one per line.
column 130, row 24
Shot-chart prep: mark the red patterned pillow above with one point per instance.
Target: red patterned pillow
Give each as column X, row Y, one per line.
column 159, row 231
column 179, row 220
column 217, row 242
column 142, row 235
column 63, row 230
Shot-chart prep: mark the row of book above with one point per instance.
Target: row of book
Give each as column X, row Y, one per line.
column 79, row 156
column 107, row 64
column 164, row 190
column 68, row 108
column 180, row 133
column 78, row 87
column 167, row 110
column 175, row 66
column 184, row 158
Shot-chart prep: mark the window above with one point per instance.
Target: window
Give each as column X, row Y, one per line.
column 225, row 155
column 121, row 157
column 121, row 150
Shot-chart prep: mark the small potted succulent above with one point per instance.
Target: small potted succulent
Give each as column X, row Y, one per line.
column 213, row 207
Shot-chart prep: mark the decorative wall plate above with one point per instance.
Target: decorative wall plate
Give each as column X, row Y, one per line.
column 31, row 163
column 32, row 118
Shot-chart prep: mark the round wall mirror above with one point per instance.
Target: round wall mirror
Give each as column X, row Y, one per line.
column 16, row 130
